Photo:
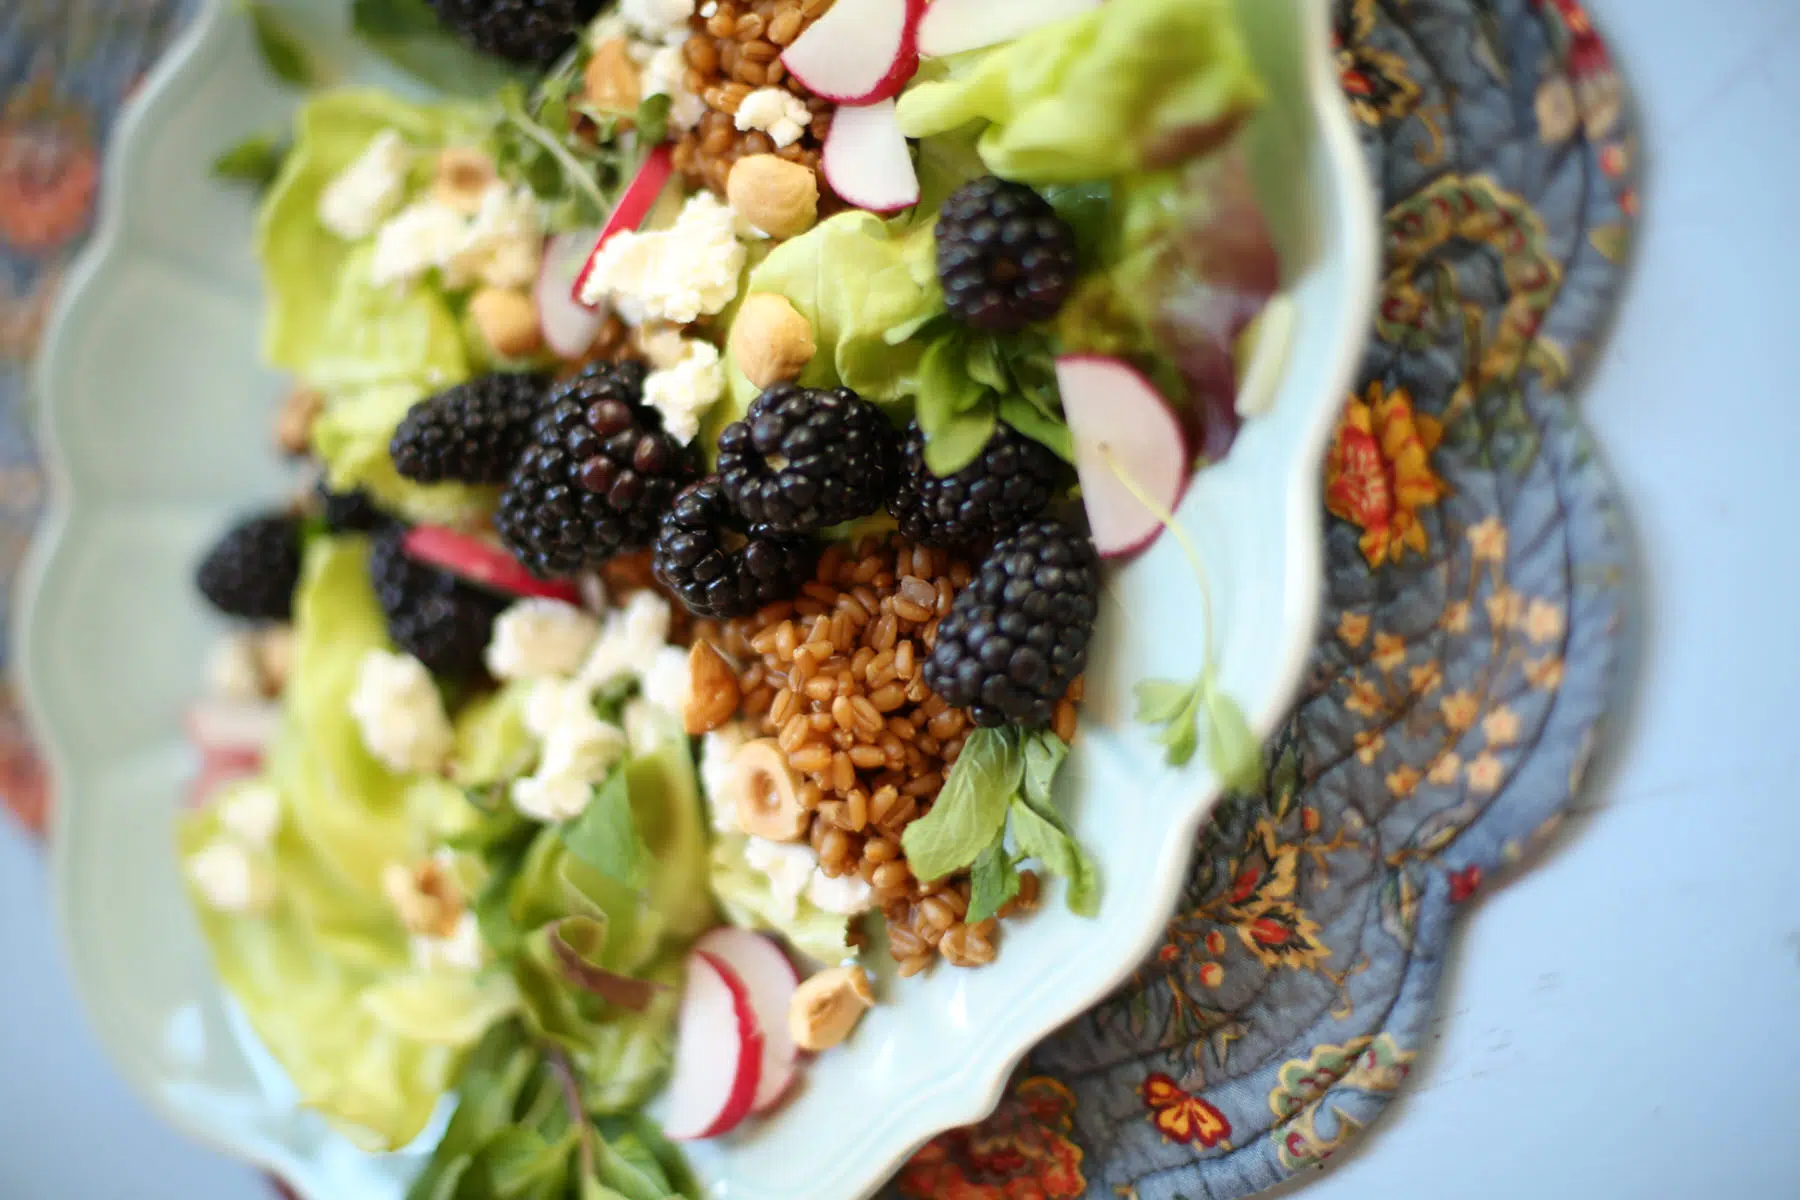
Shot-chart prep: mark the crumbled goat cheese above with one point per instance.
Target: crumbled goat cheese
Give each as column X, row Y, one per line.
column 665, row 74
column 577, row 749
column 667, row 681
column 677, row 274
column 789, row 866
column 400, row 713
column 538, row 637
column 846, row 895
column 629, row 641
column 462, row 950
column 777, row 112
column 554, row 702
column 354, row 204
column 418, row 238
column 231, row 879
column 251, row 814
column 503, row 243
column 720, row 776
column 552, row 798
column 686, row 388
column 645, row 727
column 658, row 20
column 233, row 670
column 583, row 749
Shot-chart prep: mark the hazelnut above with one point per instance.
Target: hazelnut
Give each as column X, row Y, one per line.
column 508, row 320
column 610, row 80
column 293, row 424
column 275, row 659
column 462, row 175
column 770, row 340
column 769, row 803
column 779, row 197
column 426, row 898
column 827, row 1007
column 713, row 693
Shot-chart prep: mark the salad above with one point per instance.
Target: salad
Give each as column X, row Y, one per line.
column 719, row 414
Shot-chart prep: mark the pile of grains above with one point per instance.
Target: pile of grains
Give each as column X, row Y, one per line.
column 736, row 49
column 836, row 677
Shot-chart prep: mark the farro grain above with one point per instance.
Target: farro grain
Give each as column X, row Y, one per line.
column 888, row 698
column 913, row 965
column 821, row 722
column 923, row 785
column 878, row 850
column 795, row 732
column 808, row 608
column 1063, row 720
column 843, row 773
column 810, row 758
column 856, row 809
column 784, row 706
column 903, row 660
column 821, row 688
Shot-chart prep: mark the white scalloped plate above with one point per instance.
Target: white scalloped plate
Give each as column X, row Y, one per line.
column 155, row 417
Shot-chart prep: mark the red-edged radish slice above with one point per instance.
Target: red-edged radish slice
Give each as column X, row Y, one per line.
column 867, row 161
column 232, row 729
column 218, row 770
column 569, row 326
column 1115, row 413
column 771, row 980
column 481, row 562
column 640, row 197
column 859, row 52
column 952, row 26
column 718, row 1053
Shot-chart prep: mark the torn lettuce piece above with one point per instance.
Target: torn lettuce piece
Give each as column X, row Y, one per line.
column 351, row 438
column 748, row 900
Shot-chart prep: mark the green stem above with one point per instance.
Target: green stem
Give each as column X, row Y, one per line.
column 1168, row 522
column 577, row 175
column 564, row 1070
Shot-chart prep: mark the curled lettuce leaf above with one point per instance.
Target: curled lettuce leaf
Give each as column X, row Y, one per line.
column 351, row 438
column 1133, row 85
column 749, row 901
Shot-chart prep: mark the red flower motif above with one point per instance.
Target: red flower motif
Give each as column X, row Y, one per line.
column 1169, row 953
column 1022, row 1152
column 1464, row 883
column 48, row 177
column 1182, row 1117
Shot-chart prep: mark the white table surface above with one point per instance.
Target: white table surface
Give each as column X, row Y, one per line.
column 1624, row 1020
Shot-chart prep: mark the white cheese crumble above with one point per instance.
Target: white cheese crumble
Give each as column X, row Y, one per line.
column 658, row 20
column 687, row 382
column 231, row 879
column 665, row 74
column 577, row 750
column 503, row 243
column 679, row 274
column 251, row 813
column 777, row 112
column 462, row 950
column 846, row 895
column 400, row 713
column 354, row 204
column 719, row 774
column 667, row 682
column 789, row 866
column 629, row 641
column 583, row 749
column 645, row 727
column 538, row 637
column 234, row 670
column 418, row 238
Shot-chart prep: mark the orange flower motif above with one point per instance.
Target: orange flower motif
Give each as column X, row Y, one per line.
column 1545, row 673
column 1425, row 678
column 1390, row 651
column 1485, row 772
column 1378, row 473
column 49, row 173
column 1456, row 617
column 1505, row 608
column 1501, row 726
column 1460, row 709
column 1181, row 1117
column 1365, row 698
column 1447, row 767
column 1403, row 781
column 1022, row 1152
column 1543, row 621
column 1353, row 628
column 1488, row 540
column 1369, row 745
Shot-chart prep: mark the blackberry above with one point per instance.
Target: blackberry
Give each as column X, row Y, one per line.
column 471, row 433
column 349, row 512
column 531, row 32
column 1004, row 258
column 439, row 619
column 252, row 571
column 596, row 478
column 803, row 459
column 718, row 565
column 1010, row 481
column 1017, row 636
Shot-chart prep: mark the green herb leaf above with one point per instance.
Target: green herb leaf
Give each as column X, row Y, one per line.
column 1039, row 426
column 957, row 439
column 256, row 161
column 653, row 119
column 1044, row 755
column 578, row 944
column 407, row 34
column 626, row 1166
column 983, row 363
column 282, row 51
column 392, row 18
column 993, row 882
column 520, row 1159
column 970, row 810
column 604, row 836
column 1040, row 838
column 1232, row 748
column 1161, row 700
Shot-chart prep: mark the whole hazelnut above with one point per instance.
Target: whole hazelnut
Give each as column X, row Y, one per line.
column 770, row 340
column 779, row 197
column 462, row 176
column 610, row 80
column 508, row 321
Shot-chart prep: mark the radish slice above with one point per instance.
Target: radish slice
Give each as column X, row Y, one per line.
column 481, row 562
column 1111, row 407
column 569, row 326
column 771, row 980
column 952, row 26
column 859, row 52
column 718, row 1053
column 867, row 161
column 218, row 770
column 639, row 198
column 233, row 730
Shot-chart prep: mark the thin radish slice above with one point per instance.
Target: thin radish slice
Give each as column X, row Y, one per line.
column 482, row 563
column 1121, row 423
column 569, row 326
column 718, row 1053
column 218, row 770
column 867, row 160
column 771, row 980
column 639, row 198
column 860, row 52
column 229, row 729
column 952, row 26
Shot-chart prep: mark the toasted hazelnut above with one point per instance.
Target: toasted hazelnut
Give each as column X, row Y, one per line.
column 610, row 80
column 827, row 1007
column 425, row 897
column 462, row 175
column 779, row 197
column 293, row 424
column 508, row 320
column 275, row 659
column 769, row 804
column 770, row 340
column 713, row 693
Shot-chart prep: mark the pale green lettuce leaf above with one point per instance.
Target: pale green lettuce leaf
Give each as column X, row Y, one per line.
column 492, row 744
column 665, row 800
column 351, row 437
column 442, row 1007
column 369, row 334
column 748, row 901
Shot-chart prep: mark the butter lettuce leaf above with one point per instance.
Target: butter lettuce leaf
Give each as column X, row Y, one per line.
column 351, row 438
column 748, row 901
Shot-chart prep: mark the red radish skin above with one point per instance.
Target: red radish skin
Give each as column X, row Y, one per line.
column 481, row 563
column 219, row 770
column 860, row 52
column 867, row 160
column 718, row 1053
column 952, row 26
column 771, row 979
column 231, row 729
column 639, row 198
column 1110, row 404
column 569, row 326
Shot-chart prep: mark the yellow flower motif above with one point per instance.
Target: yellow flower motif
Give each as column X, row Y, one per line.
column 1365, row 698
column 1545, row 673
column 1369, row 744
column 1488, row 540
column 1505, row 608
column 1446, row 768
column 1378, row 473
column 1402, row 780
column 1425, row 678
column 1501, row 726
column 1456, row 617
column 1485, row 772
column 1353, row 628
column 1460, row 709
column 1390, row 651
column 1543, row 621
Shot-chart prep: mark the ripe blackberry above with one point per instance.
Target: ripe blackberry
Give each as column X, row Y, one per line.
column 439, row 619
column 803, row 459
column 252, row 571
column 471, row 433
column 596, row 478
column 1010, row 481
column 349, row 512
column 1004, row 258
column 531, row 32
column 718, row 565
column 1017, row 636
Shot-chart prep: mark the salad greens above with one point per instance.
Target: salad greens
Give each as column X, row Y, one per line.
column 282, row 50
column 747, row 898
